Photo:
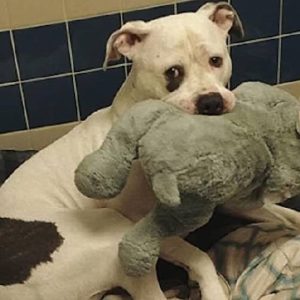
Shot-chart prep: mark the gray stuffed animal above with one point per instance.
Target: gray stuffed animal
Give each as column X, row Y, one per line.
column 195, row 163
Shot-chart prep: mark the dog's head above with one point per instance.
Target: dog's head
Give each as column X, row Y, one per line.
column 182, row 59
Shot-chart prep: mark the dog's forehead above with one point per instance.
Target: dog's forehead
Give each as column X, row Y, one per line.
column 182, row 36
column 178, row 29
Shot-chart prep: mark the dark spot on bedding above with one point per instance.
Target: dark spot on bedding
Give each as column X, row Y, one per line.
column 11, row 160
column 23, row 246
column 117, row 291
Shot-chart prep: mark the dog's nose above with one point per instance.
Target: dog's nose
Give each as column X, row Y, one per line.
column 210, row 104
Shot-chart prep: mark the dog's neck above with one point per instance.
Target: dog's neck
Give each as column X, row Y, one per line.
column 127, row 96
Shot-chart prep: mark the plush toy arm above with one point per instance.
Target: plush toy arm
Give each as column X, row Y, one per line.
column 140, row 247
column 103, row 173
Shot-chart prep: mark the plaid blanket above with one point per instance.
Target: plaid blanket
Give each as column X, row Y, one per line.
column 260, row 261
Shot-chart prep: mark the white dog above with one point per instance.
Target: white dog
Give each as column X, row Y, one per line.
column 58, row 244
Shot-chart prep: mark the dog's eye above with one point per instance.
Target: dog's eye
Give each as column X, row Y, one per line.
column 174, row 72
column 216, row 61
column 174, row 76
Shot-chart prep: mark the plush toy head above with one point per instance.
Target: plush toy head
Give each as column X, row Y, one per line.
column 195, row 163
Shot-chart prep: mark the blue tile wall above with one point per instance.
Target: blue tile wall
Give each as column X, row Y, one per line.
column 89, row 40
column 53, row 73
column 255, row 62
column 11, row 109
column 42, row 51
column 92, row 95
column 7, row 64
column 290, row 18
column 50, row 101
column 290, row 61
column 260, row 18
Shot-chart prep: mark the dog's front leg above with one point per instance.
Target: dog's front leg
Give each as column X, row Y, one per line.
column 198, row 265
column 269, row 212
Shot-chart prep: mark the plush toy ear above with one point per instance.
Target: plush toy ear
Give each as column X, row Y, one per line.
column 126, row 40
column 225, row 16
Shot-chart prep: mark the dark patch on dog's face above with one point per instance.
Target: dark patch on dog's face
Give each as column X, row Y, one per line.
column 174, row 76
column 23, row 246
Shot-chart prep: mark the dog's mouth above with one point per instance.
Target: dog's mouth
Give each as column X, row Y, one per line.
column 212, row 104
column 210, row 109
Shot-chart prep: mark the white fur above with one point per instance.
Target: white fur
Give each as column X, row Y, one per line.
column 43, row 189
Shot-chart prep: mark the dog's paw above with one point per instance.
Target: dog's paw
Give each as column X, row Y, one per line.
column 213, row 288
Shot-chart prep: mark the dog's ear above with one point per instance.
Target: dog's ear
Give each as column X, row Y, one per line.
column 125, row 41
column 225, row 16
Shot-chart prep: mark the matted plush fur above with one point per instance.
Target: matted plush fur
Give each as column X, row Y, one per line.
column 196, row 163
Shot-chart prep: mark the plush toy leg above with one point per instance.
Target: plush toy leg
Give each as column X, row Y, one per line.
column 198, row 265
column 140, row 247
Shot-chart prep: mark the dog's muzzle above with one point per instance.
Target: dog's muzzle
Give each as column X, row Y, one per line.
column 210, row 104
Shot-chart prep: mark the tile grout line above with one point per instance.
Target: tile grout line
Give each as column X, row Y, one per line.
column 62, row 75
column 20, row 82
column 49, row 23
column 5, row 84
column 12, row 40
column 71, row 57
column 100, row 14
column 72, row 71
column 279, row 43
column 284, row 35
column 254, row 41
column 22, row 95
column 126, row 64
